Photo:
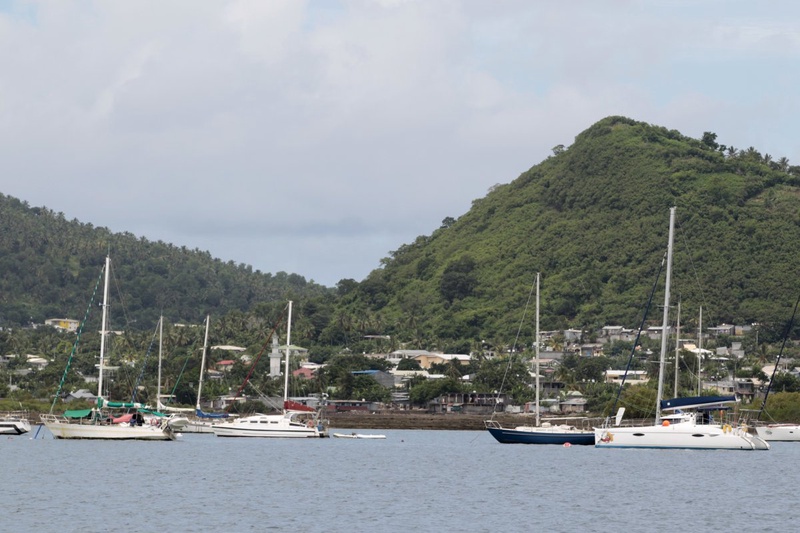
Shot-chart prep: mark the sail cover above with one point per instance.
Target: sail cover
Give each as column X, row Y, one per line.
column 201, row 414
column 290, row 405
column 695, row 401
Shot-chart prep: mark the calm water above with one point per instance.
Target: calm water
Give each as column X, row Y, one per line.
column 412, row 481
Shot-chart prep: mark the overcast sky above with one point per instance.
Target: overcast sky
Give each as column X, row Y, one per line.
column 316, row 137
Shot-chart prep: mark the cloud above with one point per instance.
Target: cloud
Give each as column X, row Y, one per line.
column 316, row 137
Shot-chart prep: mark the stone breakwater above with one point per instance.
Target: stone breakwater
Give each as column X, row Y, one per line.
column 422, row 420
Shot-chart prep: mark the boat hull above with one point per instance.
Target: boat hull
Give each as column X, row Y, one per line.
column 198, row 426
column 14, row 427
column 779, row 432
column 71, row 430
column 267, row 426
column 357, row 436
column 541, row 436
column 679, row 436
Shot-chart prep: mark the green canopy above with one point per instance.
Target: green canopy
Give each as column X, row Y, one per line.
column 78, row 413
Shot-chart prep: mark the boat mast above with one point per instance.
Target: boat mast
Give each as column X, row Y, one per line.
column 665, row 321
column 536, row 349
column 160, row 347
column 202, row 364
column 700, row 348
column 288, row 349
column 103, row 329
column 677, row 347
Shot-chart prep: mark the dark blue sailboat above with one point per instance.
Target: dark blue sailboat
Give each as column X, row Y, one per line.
column 541, row 433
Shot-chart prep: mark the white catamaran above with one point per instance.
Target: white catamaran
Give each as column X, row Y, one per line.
column 681, row 429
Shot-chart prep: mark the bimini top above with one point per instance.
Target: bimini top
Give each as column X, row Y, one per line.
column 696, row 401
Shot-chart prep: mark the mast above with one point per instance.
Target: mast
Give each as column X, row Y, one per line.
column 536, row 349
column 103, row 329
column 160, row 346
column 677, row 347
column 202, row 364
column 665, row 321
column 699, row 349
column 288, row 349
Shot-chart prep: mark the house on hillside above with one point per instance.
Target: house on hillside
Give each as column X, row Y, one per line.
column 64, row 324
column 383, row 378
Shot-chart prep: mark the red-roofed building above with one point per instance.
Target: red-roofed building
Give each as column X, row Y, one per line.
column 307, row 373
column 225, row 365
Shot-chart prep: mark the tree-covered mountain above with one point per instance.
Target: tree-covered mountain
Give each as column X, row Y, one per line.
column 49, row 265
column 592, row 218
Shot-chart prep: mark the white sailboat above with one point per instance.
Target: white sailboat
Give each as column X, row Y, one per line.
column 685, row 430
column 97, row 423
column 541, row 433
column 177, row 421
column 201, row 422
column 295, row 421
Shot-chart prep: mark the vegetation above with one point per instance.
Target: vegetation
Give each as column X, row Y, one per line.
column 592, row 218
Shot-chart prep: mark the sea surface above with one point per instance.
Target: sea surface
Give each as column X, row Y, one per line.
column 460, row 481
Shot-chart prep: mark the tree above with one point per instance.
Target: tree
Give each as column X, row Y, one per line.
column 459, row 279
column 447, row 222
column 710, row 140
column 408, row 364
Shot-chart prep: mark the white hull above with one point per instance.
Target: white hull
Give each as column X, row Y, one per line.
column 358, row 436
column 14, row 426
column 198, row 426
column 266, row 426
column 177, row 423
column 62, row 429
column 779, row 432
column 685, row 435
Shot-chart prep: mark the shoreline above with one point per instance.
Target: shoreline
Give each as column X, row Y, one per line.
column 422, row 420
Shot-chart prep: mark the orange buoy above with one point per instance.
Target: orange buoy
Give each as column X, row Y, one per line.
column 665, row 423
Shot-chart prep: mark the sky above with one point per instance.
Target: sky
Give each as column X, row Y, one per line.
column 316, row 138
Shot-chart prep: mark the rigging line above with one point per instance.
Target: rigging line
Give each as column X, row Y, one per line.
column 785, row 338
column 639, row 333
column 514, row 346
column 258, row 357
column 144, row 366
column 693, row 267
column 125, row 312
column 77, row 340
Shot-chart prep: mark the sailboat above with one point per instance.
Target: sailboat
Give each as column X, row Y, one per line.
column 678, row 429
column 295, row 420
column 541, row 433
column 175, row 419
column 98, row 422
column 202, row 421
column 784, row 432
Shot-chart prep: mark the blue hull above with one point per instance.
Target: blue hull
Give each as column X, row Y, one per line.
column 513, row 436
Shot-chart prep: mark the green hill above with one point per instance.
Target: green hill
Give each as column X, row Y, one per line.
column 593, row 218
column 49, row 265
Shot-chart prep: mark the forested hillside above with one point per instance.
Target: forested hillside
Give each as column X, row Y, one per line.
column 49, row 265
column 592, row 218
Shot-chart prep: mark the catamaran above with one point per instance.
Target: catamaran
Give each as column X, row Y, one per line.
column 681, row 428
